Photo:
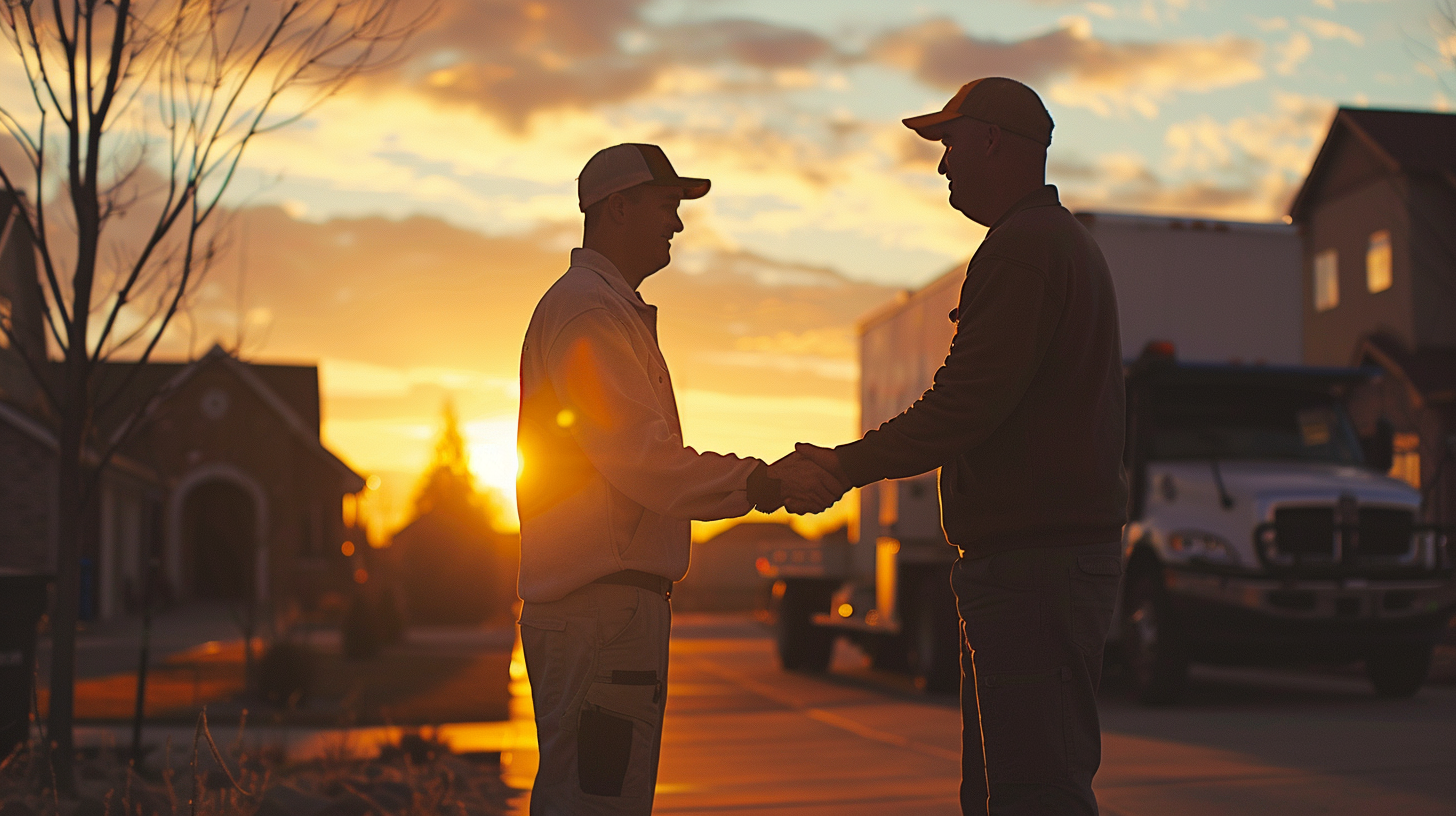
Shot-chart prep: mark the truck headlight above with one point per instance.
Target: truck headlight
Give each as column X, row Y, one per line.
column 1196, row 544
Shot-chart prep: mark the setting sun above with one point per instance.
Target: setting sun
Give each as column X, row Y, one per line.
column 495, row 462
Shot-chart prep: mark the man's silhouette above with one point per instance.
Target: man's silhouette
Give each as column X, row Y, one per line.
column 1025, row 422
column 606, row 493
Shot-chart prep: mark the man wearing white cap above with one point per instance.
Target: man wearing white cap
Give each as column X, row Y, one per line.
column 1025, row 422
column 607, row 491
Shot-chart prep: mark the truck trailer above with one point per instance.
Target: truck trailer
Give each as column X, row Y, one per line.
column 1262, row 529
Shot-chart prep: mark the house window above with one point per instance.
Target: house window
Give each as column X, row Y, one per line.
column 1405, row 463
column 1326, row 280
column 5, row 319
column 1378, row 274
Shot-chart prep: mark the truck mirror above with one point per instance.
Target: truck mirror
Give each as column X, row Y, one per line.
column 1380, row 446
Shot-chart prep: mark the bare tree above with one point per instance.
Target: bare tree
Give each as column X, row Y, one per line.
column 143, row 109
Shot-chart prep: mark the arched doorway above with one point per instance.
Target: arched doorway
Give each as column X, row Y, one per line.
column 219, row 538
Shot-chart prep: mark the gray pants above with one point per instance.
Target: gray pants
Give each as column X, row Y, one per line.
column 597, row 661
column 1033, row 626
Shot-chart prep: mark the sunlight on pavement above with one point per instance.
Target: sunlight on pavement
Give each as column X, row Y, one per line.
column 520, row 759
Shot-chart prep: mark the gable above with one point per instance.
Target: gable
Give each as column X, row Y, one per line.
column 1352, row 164
column 1364, row 144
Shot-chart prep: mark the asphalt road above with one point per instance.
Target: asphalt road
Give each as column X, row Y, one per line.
column 744, row 737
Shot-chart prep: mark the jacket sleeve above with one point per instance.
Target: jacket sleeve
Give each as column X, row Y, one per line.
column 993, row 357
column 615, row 418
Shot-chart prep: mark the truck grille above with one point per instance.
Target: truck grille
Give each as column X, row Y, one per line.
column 1312, row 534
column 1305, row 531
column 1385, row 532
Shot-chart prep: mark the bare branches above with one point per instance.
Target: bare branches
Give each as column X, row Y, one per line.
column 157, row 101
column 215, row 74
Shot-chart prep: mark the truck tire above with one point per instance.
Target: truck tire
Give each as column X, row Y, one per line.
column 802, row 646
column 1397, row 670
column 935, row 637
column 1156, row 663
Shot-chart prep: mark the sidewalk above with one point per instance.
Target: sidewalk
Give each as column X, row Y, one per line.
column 112, row 647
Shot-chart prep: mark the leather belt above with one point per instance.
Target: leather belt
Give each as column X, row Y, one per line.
column 639, row 579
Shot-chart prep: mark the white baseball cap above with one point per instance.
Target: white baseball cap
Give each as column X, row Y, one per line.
column 619, row 167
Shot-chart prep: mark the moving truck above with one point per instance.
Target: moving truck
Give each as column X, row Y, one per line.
column 1262, row 529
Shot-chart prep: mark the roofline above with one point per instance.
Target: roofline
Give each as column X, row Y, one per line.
column 36, row 430
column 1297, row 204
column 1140, row 368
column 883, row 312
column 270, row 398
column 1179, row 222
column 28, row 425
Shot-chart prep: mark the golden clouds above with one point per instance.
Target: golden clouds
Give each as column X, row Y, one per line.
column 1073, row 67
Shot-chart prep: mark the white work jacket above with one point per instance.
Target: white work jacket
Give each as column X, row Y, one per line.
column 606, row 482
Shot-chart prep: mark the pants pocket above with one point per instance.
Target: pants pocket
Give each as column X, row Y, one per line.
column 617, row 735
column 1094, row 583
column 604, row 751
column 1023, row 725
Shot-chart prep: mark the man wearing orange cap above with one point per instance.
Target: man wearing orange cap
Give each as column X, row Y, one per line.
column 607, row 491
column 1025, row 421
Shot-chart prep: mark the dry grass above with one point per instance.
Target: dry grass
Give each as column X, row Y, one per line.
column 416, row 777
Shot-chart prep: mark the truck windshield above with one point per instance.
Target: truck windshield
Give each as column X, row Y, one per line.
column 1200, row 423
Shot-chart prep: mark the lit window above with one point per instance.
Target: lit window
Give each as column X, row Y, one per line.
column 5, row 319
column 1405, row 463
column 1326, row 280
column 1378, row 275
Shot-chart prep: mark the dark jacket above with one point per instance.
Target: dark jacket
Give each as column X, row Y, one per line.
column 1026, row 416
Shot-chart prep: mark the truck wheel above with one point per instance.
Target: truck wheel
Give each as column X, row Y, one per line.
column 934, row 637
column 1397, row 670
column 803, row 646
column 1155, row 663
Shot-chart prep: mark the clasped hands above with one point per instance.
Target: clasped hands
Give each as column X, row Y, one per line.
column 810, row 479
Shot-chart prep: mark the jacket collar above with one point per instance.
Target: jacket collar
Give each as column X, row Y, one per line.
column 600, row 264
column 1044, row 196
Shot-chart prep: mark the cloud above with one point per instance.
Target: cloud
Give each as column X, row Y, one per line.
column 513, row 58
column 1331, row 30
column 1081, row 70
column 1293, row 52
column 1244, row 168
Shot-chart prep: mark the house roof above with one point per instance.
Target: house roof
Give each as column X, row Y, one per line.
column 1417, row 143
column 291, row 391
column 296, row 386
column 28, row 425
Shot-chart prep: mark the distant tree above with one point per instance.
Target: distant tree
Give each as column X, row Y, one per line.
column 142, row 109
column 447, row 485
column 452, row 556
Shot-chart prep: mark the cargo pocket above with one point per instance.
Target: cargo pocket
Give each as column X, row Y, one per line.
column 1095, row 580
column 617, row 734
column 544, row 643
column 1022, row 725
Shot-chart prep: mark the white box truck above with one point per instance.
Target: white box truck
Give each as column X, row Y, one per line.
column 1262, row 529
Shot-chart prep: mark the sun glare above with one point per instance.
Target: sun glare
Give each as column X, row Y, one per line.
column 494, row 460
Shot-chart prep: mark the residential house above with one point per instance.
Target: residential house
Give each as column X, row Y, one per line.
column 219, row 488
column 1377, row 217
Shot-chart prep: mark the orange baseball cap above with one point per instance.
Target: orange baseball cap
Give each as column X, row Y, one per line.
column 619, row 167
column 1003, row 102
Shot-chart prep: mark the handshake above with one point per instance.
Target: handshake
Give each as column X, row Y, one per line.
column 809, row 480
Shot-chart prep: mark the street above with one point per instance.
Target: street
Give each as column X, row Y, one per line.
column 744, row 737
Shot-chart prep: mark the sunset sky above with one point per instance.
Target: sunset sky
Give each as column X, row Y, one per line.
column 402, row 234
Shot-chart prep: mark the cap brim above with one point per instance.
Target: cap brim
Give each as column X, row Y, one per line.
column 691, row 187
column 920, row 123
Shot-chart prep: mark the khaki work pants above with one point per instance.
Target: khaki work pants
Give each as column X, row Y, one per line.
column 1033, row 626
column 597, row 661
